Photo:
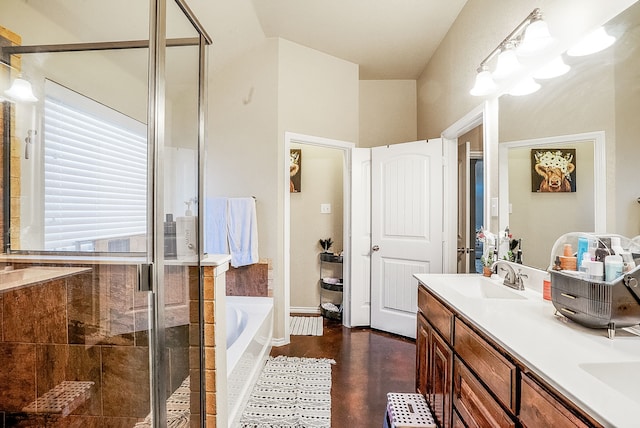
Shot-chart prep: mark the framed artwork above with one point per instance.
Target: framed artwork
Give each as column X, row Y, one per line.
column 553, row 170
column 295, row 171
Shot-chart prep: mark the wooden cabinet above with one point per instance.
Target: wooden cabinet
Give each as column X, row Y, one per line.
column 469, row 381
column 498, row 373
column 439, row 385
column 474, row 404
column 435, row 356
column 538, row 408
column 422, row 339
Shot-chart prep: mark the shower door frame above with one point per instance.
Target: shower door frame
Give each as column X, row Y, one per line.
column 154, row 265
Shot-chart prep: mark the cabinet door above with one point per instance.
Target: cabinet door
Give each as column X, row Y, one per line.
column 538, row 408
column 475, row 405
column 490, row 366
column 422, row 352
column 440, row 371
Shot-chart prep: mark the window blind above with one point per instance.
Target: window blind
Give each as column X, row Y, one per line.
column 95, row 172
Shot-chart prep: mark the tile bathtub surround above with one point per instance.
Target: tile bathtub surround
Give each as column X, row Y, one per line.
column 252, row 280
column 36, row 314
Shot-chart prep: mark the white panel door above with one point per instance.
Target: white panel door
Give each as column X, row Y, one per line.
column 407, row 229
column 360, row 292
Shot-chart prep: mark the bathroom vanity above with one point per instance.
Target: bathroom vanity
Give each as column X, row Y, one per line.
column 488, row 355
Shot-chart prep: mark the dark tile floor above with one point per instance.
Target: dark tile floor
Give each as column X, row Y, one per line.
column 369, row 364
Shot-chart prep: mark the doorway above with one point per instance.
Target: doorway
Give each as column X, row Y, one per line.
column 470, row 200
column 303, row 234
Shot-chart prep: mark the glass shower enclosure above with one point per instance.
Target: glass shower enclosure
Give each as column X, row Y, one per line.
column 102, row 130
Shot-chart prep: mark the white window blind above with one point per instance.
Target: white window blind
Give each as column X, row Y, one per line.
column 95, row 173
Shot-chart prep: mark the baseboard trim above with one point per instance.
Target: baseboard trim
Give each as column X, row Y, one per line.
column 304, row 310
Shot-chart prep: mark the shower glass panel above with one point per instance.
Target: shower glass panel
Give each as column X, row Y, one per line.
column 94, row 295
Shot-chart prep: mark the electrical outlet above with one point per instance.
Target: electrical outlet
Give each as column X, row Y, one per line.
column 325, row 208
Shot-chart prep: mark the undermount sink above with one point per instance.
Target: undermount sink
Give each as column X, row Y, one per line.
column 624, row 377
column 481, row 287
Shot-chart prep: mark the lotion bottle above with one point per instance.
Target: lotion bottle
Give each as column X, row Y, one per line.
column 186, row 234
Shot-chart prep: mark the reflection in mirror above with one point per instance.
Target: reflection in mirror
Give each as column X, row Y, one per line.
column 599, row 94
column 536, row 216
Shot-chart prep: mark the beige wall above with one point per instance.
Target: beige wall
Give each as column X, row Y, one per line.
column 536, row 218
column 388, row 113
column 322, row 180
column 279, row 87
column 443, row 89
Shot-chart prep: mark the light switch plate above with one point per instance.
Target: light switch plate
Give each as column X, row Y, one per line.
column 325, row 208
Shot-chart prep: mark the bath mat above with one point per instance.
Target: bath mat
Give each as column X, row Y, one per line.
column 178, row 408
column 291, row 392
column 305, row 326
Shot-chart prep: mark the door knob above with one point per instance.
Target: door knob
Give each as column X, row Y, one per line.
column 375, row 248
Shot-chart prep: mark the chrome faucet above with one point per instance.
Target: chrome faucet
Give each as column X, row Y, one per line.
column 511, row 278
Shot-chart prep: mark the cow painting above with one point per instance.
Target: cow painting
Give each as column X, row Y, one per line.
column 553, row 170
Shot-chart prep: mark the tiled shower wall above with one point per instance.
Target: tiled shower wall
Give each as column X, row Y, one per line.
column 87, row 327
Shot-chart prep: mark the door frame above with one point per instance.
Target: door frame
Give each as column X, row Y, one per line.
column 345, row 146
column 485, row 114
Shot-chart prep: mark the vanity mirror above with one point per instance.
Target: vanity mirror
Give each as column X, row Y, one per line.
column 593, row 109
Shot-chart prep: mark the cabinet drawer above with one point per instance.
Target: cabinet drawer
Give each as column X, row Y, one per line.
column 489, row 365
column 438, row 315
column 538, row 408
column 474, row 404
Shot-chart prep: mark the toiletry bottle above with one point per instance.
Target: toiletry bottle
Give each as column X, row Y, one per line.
column 546, row 287
column 186, row 234
column 612, row 267
column 584, row 265
column 603, row 250
column 170, row 237
column 628, row 264
column 583, row 247
column 616, row 247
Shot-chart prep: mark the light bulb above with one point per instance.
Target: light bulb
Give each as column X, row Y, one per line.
column 525, row 87
column 507, row 64
column 484, row 84
column 536, row 38
column 592, row 43
column 555, row 68
column 21, row 91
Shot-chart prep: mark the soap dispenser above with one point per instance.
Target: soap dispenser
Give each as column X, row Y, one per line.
column 186, row 234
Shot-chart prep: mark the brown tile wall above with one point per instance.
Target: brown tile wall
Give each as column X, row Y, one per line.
column 252, row 280
column 81, row 328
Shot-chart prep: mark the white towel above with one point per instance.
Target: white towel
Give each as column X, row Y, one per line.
column 242, row 224
column 215, row 226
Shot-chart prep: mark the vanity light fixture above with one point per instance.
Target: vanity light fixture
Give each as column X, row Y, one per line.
column 484, row 83
column 20, row 89
column 536, row 36
column 530, row 37
column 525, row 86
column 508, row 63
column 593, row 42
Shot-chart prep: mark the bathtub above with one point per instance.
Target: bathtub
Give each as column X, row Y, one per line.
column 249, row 328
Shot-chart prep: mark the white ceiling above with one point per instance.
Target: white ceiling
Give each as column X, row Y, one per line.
column 389, row 39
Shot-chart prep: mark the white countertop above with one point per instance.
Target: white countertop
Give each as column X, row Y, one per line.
column 600, row 375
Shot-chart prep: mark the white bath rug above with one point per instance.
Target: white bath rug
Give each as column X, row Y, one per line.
column 305, row 326
column 291, row 392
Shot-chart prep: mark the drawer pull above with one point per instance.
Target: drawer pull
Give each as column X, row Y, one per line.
column 568, row 296
column 569, row 311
